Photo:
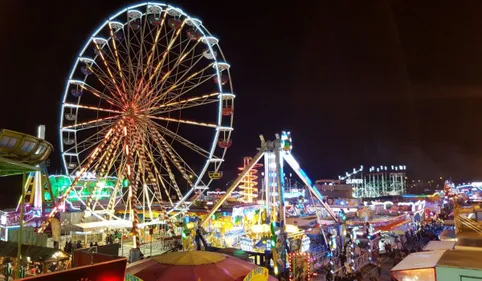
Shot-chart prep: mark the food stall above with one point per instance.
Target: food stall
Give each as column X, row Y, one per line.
column 439, row 265
column 459, row 265
column 417, row 266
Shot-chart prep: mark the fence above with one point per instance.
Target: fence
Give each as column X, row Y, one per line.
column 153, row 248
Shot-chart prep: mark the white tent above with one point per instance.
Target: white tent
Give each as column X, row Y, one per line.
column 418, row 266
column 439, row 245
column 101, row 225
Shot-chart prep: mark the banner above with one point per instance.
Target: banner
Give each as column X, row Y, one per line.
column 257, row 274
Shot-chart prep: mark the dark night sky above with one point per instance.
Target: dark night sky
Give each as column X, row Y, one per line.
column 357, row 82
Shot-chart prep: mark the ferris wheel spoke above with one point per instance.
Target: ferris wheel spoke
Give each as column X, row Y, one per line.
column 187, row 87
column 104, row 79
column 81, row 148
column 181, row 121
column 94, row 108
column 166, row 165
column 167, row 82
column 178, row 162
column 151, row 67
column 160, row 144
column 191, row 78
column 178, row 62
column 147, row 158
column 117, row 194
column 112, row 153
column 154, row 44
column 156, row 72
column 132, row 57
column 166, row 180
column 95, row 92
column 184, row 68
column 110, row 74
column 90, row 124
column 184, row 104
column 166, row 77
column 92, row 145
column 143, row 51
column 90, row 159
column 175, row 157
column 194, row 78
column 185, row 142
column 89, row 141
column 116, row 53
column 158, row 179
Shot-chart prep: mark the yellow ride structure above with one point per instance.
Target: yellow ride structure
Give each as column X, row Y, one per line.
column 22, row 154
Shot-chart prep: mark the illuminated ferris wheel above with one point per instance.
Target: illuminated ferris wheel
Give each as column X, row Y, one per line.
column 149, row 102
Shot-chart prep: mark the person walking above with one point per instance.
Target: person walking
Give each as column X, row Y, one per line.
column 379, row 267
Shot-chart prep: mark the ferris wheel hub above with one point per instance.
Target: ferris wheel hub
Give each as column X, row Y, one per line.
column 131, row 111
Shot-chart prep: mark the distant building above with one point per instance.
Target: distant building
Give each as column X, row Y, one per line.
column 334, row 188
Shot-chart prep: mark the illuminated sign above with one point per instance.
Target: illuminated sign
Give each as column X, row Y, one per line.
column 354, row 181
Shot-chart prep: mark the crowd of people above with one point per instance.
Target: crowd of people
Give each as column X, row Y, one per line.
column 71, row 246
column 396, row 250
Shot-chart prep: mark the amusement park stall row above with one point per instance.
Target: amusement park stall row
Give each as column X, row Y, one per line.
column 146, row 121
column 339, row 233
column 313, row 239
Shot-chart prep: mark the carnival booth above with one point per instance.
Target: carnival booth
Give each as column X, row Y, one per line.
column 439, row 245
column 37, row 259
column 459, row 265
column 417, row 266
column 438, row 265
column 258, row 239
column 93, row 232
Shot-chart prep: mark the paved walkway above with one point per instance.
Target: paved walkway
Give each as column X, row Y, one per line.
column 372, row 270
column 369, row 271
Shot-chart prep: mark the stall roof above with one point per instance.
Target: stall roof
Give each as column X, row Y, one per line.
column 419, row 260
column 98, row 225
column 460, row 259
column 36, row 253
column 439, row 245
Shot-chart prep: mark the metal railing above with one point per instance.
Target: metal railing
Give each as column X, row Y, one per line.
column 461, row 221
column 361, row 261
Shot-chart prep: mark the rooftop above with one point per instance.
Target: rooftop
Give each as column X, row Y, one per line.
column 461, row 259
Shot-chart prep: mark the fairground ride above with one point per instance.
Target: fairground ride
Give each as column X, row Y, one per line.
column 275, row 154
column 249, row 184
column 149, row 105
column 22, row 154
column 377, row 181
